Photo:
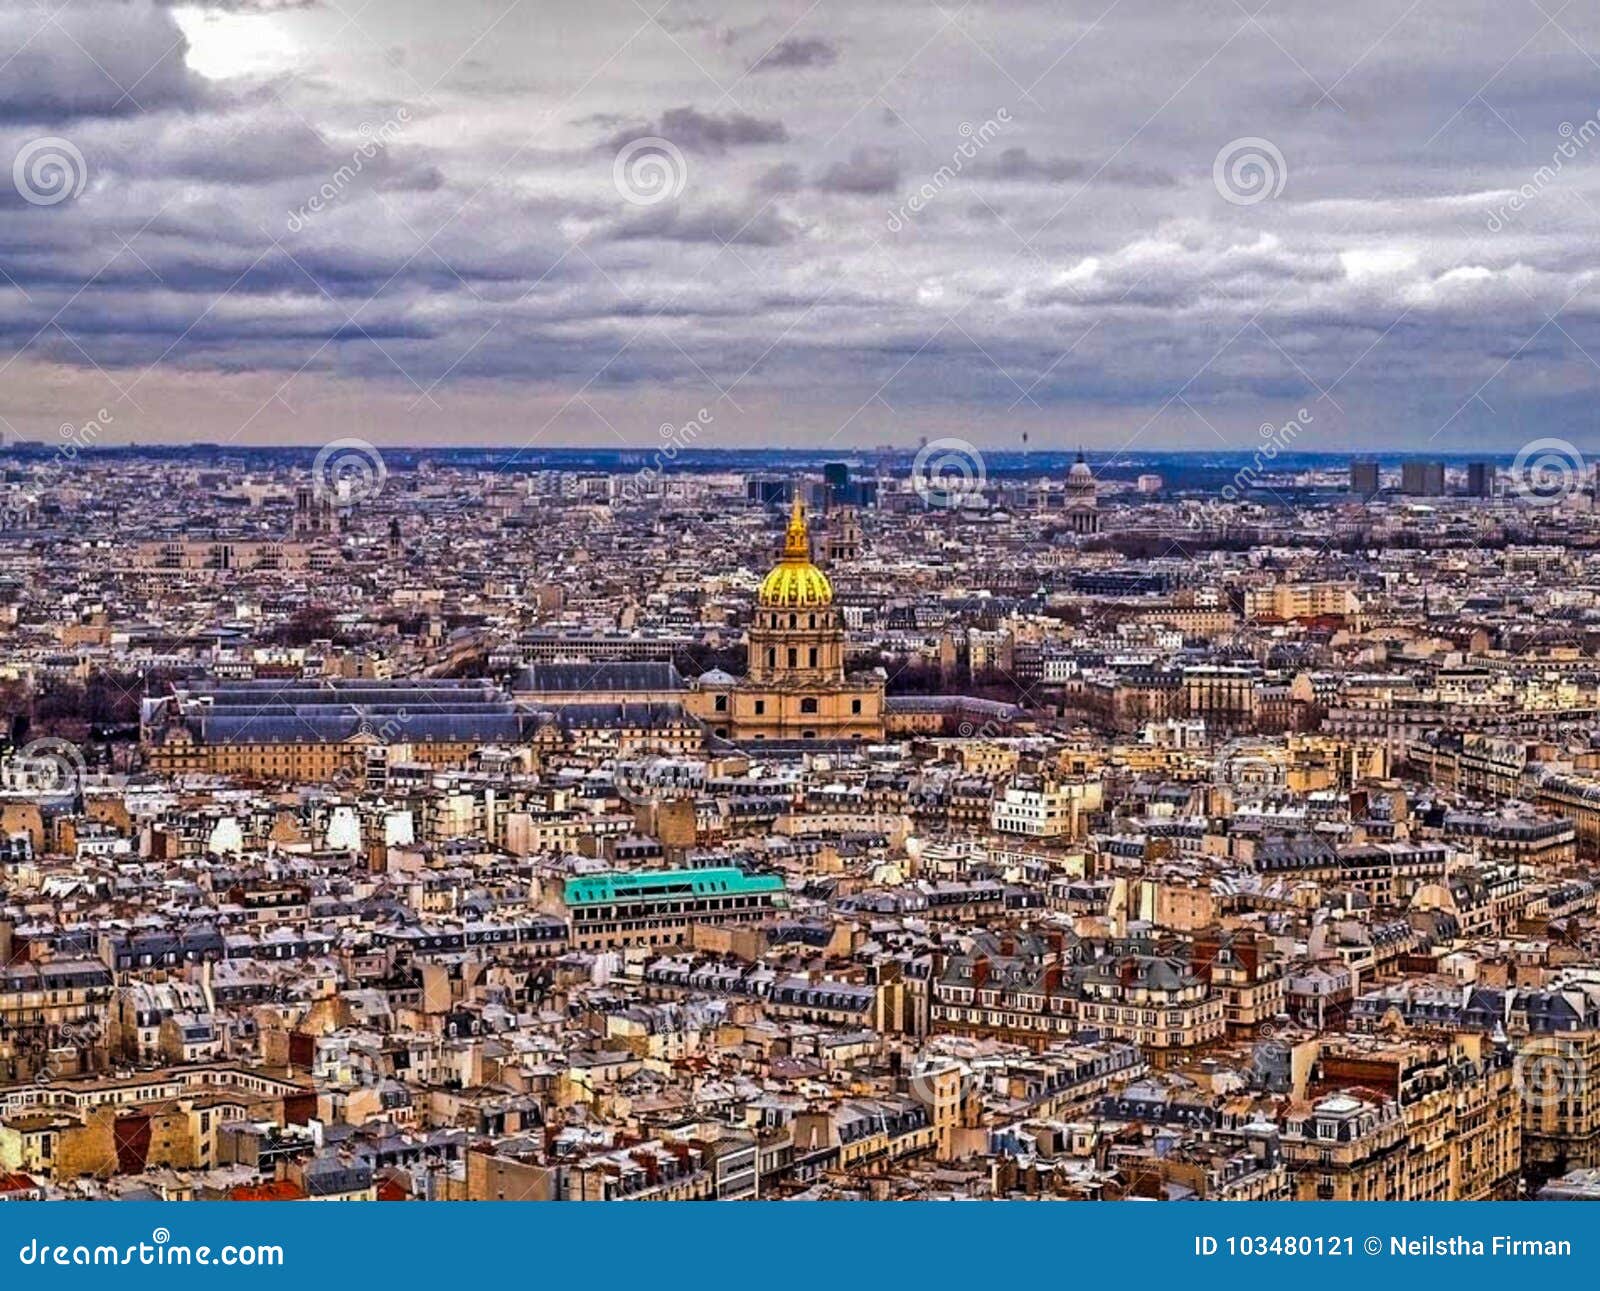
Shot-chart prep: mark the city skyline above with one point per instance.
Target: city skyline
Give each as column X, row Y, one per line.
column 809, row 600
column 381, row 827
column 290, row 222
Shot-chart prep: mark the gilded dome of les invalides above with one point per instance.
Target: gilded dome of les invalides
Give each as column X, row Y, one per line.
column 794, row 581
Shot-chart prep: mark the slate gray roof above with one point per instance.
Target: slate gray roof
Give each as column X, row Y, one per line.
column 579, row 678
column 267, row 712
column 623, row 715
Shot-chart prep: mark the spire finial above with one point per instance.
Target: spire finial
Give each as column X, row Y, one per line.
column 796, row 542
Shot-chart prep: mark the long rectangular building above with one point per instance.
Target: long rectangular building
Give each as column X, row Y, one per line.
column 659, row 907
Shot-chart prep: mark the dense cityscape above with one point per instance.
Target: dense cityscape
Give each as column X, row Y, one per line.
column 395, row 826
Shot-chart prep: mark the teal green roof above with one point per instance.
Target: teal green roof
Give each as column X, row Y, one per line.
column 648, row 884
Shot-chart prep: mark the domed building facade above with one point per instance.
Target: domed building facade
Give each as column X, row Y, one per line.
column 796, row 687
column 1083, row 498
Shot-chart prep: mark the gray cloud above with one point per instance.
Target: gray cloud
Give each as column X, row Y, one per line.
column 91, row 59
column 705, row 131
column 868, row 170
column 785, row 177
column 797, row 51
column 1436, row 214
column 1020, row 164
column 762, row 226
column 249, row 6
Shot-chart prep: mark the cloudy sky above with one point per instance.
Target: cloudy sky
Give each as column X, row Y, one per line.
column 1126, row 223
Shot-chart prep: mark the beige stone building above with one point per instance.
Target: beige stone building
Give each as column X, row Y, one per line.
column 1432, row 1119
column 796, row 687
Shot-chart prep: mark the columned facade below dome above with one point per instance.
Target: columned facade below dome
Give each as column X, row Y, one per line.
column 796, row 687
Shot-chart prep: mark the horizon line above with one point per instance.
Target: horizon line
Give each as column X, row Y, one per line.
column 46, row 446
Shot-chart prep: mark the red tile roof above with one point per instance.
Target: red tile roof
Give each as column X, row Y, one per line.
column 277, row 1190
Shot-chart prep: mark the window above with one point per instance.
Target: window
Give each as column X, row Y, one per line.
column 808, row 705
column 855, row 705
column 761, row 707
column 813, row 662
column 794, row 657
column 722, row 704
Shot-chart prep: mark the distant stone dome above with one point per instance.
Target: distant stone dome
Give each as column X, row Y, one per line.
column 1082, row 490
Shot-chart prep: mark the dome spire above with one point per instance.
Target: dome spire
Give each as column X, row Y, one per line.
column 796, row 542
column 794, row 580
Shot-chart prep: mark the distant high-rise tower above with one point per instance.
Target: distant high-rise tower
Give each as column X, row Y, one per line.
column 767, row 490
column 836, row 482
column 1480, row 479
column 1364, row 479
column 1421, row 479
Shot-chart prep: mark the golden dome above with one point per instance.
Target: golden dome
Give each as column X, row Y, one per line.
column 795, row 581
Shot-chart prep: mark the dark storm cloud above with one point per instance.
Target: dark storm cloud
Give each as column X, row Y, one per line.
column 1436, row 210
column 92, row 58
column 688, row 127
column 797, row 51
column 867, row 171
